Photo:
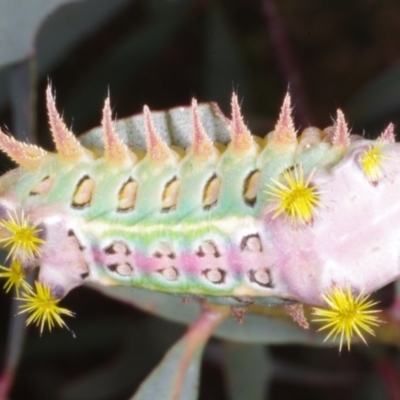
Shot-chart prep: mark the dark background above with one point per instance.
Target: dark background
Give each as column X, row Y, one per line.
column 329, row 53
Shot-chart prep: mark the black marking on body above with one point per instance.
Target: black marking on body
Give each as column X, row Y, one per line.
column 117, row 248
column 208, row 248
column 261, row 276
column 83, row 193
column 250, row 187
column 215, row 275
column 251, row 243
column 41, row 187
column 85, row 275
column 164, row 250
column 157, row 254
column 170, row 194
column 290, row 169
column 71, row 233
column 127, row 196
column 123, row 269
column 112, row 267
column 211, row 192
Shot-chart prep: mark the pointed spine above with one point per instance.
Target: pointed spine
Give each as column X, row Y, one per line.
column 115, row 151
column 28, row 156
column 67, row 145
column 202, row 145
column 242, row 140
column 388, row 134
column 285, row 133
column 157, row 149
column 341, row 134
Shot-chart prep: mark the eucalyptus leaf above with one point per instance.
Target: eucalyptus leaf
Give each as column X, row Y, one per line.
column 177, row 376
column 19, row 23
column 248, row 371
column 54, row 36
column 161, row 383
column 254, row 329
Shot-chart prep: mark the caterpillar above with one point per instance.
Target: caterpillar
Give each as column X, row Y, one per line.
column 213, row 212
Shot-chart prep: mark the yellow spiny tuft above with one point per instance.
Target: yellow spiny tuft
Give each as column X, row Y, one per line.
column 372, row 161
column 22, row 236
column 297, row 198
column 43, row 308
column 15, row 276
column 347, row 315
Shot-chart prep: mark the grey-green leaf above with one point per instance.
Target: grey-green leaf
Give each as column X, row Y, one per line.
column 248, row 371
column 19, row 22
column 165, row 379
column 254, row 329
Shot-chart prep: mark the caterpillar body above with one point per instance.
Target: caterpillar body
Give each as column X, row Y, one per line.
column 213, row 212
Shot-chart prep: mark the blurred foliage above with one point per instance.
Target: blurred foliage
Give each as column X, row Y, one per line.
column 162, row 53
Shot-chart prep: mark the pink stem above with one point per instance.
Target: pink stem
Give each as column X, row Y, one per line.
column 196, row 338
column 390, row 378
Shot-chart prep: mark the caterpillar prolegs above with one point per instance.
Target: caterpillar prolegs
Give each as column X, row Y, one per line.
column 189, row 202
